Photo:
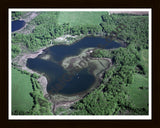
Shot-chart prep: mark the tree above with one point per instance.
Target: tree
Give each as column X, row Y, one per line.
column 15, row 50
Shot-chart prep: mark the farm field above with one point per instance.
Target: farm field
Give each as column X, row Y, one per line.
column 21, row 88
column 80, row 18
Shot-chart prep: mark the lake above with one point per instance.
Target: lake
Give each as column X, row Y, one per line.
column 80, row 82
column 17, row 24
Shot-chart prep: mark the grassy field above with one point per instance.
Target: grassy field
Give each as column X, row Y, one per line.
column 138, row 91
column 21, row 87
column 80, row 18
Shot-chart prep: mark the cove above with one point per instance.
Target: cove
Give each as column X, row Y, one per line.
column 80, row 82
column 17, row 24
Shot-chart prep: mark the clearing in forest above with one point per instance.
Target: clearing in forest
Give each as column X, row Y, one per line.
column 138, row 91
column 80, row 18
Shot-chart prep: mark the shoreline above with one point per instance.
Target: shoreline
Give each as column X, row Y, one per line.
column 28, row 17
column 42, row 79
column 21, row 60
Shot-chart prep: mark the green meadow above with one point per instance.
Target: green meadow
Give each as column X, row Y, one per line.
column 80, row 18
column 21, row 88
column 138, row 91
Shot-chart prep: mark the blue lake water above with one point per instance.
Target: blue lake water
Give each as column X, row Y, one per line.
column 80, row 82
column 17, row 24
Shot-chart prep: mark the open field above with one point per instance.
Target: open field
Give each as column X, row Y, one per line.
column 138, row 91
column 80, row 18
column 21, row 88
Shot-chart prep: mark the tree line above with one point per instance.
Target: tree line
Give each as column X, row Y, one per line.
column 17, row 15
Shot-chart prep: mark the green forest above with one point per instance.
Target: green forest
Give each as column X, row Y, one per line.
column 124, row 88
